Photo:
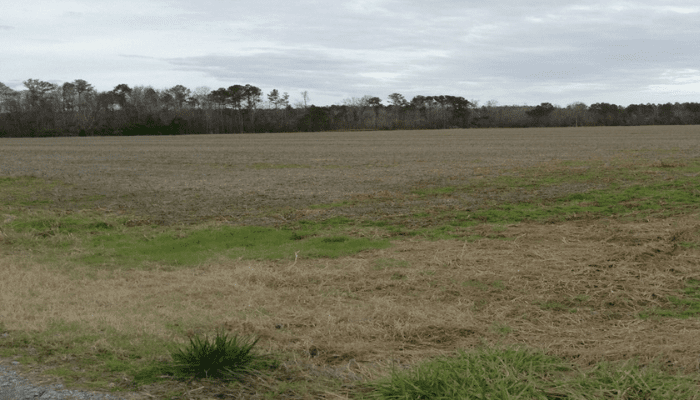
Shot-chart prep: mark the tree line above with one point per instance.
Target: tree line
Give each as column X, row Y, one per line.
column 77, row 109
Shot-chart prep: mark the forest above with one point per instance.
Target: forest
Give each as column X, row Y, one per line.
column 75, row 108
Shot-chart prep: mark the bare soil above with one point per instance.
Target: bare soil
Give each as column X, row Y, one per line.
column 266, row 179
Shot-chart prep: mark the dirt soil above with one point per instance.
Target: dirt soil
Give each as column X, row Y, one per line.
column 267, row 179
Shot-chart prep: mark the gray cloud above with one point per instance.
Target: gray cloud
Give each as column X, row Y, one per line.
column 514, row 52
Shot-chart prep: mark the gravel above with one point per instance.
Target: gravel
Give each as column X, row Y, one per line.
column 14, row 387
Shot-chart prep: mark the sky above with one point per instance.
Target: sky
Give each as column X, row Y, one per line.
column 513, row 52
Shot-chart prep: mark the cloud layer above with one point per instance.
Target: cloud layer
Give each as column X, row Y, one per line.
column 513, row 52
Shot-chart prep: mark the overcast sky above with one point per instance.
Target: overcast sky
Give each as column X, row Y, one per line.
column 514, row 52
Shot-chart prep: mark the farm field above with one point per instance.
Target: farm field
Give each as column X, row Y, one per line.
column 349, row 253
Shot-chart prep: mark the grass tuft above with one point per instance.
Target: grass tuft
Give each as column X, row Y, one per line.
column 224, row 358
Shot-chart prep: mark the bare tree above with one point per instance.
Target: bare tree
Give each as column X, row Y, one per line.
column 284, row 104
column 106, row 100
column 6, row 93
column 167, row 100
column 358, row 107
column 38, row 92
column 200, row 96
column 68, row 93
column 81, row 87
column 577, row 110
column 180, row 94
column 152, row 99
column 305, row 97
column 540, row 113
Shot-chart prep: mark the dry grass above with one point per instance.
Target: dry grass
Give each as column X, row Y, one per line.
column 574, row 289
column 571, row 289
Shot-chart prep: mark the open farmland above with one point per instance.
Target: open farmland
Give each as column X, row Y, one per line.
column 348, row 252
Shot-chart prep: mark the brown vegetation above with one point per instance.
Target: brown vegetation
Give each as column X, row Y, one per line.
column 573, row 288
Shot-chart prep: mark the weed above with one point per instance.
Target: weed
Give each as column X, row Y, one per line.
column 223, row 358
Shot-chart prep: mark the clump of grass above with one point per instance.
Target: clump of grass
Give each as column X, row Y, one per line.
column 517, row 373
column 485, row 373
column 628, row 380
column 224, row 358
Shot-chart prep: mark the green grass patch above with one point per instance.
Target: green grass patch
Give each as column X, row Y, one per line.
column 22, row 191
column 100, row 240
column 196, row 247
column 103, row 354
column 612, row 380
column 513, row 373
column 89, row 238
column 685, row 306
column 106, row 356
column 30, row 191
column 629, row 190
column 598, row 203
column 105, row 241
